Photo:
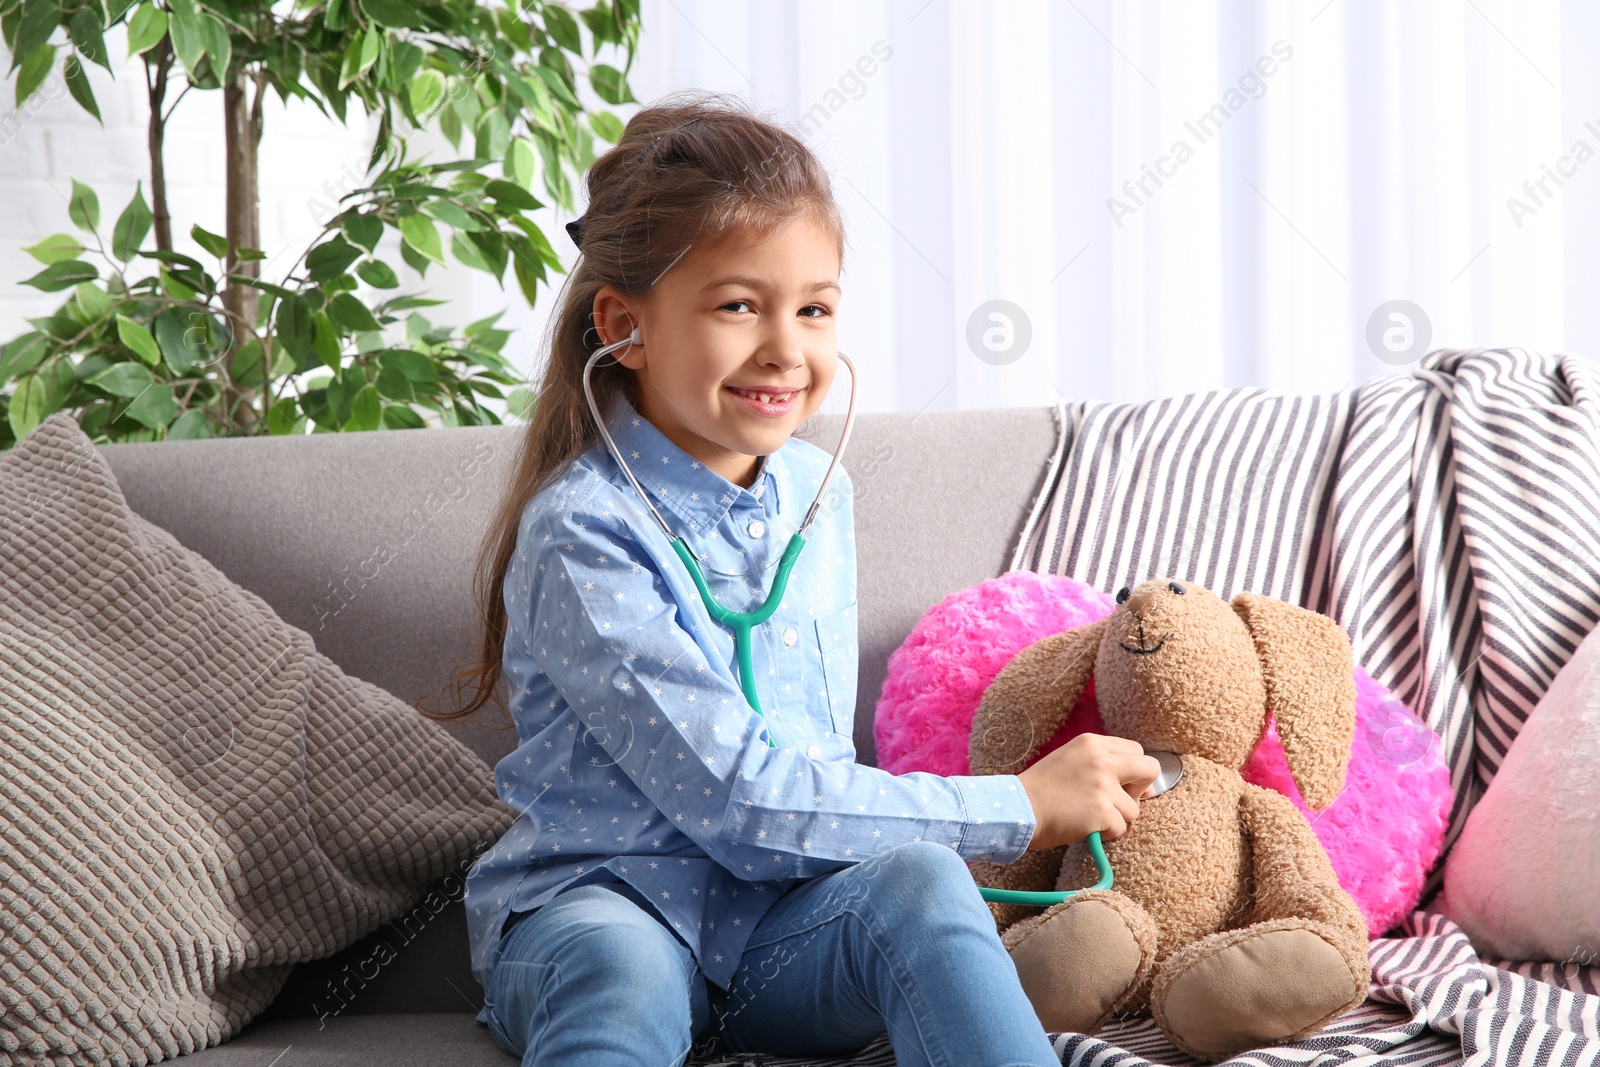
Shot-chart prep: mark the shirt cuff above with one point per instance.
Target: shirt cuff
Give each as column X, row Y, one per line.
column 1000, row 819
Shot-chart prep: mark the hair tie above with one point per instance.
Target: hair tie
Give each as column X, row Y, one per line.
column 575, row 231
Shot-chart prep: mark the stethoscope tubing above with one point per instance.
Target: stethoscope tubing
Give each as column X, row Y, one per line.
column 742, row 623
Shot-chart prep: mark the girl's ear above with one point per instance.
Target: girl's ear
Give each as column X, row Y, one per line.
column 1030, row 698
column 1311, row 690
column 616, row 317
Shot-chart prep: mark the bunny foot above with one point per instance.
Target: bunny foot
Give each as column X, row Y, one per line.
column 1082, row 959
column 1266, row 984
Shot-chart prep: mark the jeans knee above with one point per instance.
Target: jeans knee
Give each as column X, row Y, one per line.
column 638, row 963
column 924, row 874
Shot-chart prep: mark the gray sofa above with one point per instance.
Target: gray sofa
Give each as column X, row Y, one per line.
column 367, row 541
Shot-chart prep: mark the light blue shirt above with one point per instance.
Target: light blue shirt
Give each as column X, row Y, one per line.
column 639, row 758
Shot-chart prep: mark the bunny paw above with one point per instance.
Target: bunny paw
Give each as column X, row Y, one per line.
column 1081, row 960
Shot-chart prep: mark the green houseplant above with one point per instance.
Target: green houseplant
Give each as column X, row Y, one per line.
column 152, row 343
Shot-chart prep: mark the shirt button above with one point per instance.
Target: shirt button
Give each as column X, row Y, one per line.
column 814, row 751
column 790, row 637
column 757, row 528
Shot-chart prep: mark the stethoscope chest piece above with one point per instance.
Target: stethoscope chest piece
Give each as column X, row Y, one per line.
column 1171, row 773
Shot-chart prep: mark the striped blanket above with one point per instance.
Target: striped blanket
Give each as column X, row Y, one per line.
column 1449, row 518
column 1432, row 1003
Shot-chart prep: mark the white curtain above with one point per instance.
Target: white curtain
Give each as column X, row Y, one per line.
column 1177, row 197
column 1315, row 161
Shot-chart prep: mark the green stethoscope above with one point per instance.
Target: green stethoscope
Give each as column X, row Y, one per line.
column 743, row 622
column 1171, row 772
column 740, row 622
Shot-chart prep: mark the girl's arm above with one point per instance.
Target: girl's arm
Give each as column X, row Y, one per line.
column 605, row 628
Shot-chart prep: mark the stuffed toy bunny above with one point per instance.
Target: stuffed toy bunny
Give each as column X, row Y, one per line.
column 1225, row 920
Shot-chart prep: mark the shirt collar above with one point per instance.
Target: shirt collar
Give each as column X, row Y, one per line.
column 698, row 494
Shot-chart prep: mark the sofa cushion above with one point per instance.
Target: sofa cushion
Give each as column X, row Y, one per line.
column 1383, row 833
column 195, row 798
column 1521, row 879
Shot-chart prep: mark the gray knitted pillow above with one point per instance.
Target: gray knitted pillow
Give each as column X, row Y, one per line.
column 193, row 798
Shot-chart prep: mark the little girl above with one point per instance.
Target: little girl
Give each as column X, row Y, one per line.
column 673, row 879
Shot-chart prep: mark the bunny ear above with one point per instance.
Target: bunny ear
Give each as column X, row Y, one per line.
column 1030, row 698
column 1311, row 690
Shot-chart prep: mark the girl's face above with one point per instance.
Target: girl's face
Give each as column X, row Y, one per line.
column 742, row 311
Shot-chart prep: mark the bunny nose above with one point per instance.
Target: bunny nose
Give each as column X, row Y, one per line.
column 1140, row 602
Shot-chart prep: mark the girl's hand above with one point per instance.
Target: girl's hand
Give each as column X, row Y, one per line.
column 1091, row 783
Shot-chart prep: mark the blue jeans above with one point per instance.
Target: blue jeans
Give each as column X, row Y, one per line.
column 594, row 977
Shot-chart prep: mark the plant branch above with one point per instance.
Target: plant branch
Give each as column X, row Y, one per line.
column 156, row 70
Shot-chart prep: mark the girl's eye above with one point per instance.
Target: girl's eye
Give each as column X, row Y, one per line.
column 820, row 311
column 732, row 303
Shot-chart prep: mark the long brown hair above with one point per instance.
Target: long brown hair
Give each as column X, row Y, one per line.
column 691, row 167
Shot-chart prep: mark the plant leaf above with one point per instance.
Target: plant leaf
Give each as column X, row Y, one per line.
column 182, row 343
column 425, row 92
column 84, row 207
column 331, row 258
column 176, row 289
column 411, row 363
column 153, row 407
column 173, row 257
column 325, row 339
column 283, row 417
column 606, row 126
column 92, row 302
column 371, row 48
column 55, row 248
column 39, row 20
column 391, row 13
column 62, row 275
column 366, row 410
column 452, row 214
column 378, row 274
column 138, row 340
column 35, row 65
column 352, row 314
column 559, row 24
column 256, row 283
column 78, row 86
column 132, row 226
column 364, row 230
column 400, row 417
column 190, row 426
column 145, row 29
column 420, row 234
column 510, row 195
column 27, row 405
column 214, row 243
column 189, row 34
column 22, row 354
column 294, row 328
column 519, row 162
column 83, row 30
column 219, row 46
column 610, row 84
column 123, row 379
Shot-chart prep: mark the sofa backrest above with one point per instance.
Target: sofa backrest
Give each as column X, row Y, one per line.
column 367, row 541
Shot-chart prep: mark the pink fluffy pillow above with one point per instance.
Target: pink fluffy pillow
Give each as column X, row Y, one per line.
column 1383, row 833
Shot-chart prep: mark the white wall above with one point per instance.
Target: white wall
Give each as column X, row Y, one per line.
column 976, row 163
